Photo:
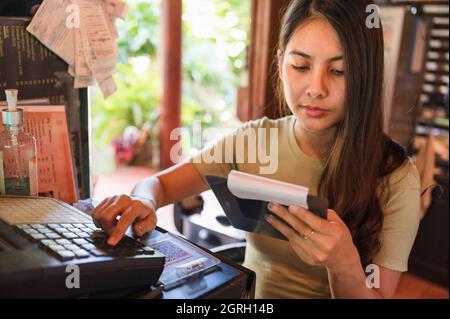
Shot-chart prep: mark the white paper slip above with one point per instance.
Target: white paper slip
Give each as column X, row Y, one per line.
column 116, row 8
column 49, row 26
column 84, row 81
column 108, row 87
column 248, row 186
column 97, row 34
column 81, row 67
column 83, row 34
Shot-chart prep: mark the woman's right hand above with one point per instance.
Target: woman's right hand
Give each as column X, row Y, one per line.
column 140, row 213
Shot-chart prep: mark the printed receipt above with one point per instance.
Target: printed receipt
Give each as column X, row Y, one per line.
column 49, row 26
column 248, row 186
column 83, row 34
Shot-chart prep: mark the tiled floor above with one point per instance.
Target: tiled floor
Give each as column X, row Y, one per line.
column 121, row 182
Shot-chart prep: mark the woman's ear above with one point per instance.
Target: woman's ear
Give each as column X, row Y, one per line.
column 280, row 64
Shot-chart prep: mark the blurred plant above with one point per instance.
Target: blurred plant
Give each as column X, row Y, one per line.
column 135, row 146
column 139, row 32
column 214, row 52
column 124, row 145
column 137, row 97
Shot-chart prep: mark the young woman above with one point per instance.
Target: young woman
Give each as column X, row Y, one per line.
column 331, row 79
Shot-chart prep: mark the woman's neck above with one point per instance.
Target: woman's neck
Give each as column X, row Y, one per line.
column 313, row 144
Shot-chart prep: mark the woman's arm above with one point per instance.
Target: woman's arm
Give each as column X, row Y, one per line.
column 139, row 209
column 354, row 284
column 171, row 185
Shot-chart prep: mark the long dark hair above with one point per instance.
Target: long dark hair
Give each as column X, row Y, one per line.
column 361, row 155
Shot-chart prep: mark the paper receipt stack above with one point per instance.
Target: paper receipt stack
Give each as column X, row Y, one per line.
column 83, row 34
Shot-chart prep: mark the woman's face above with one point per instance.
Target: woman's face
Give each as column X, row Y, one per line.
column 312, row 72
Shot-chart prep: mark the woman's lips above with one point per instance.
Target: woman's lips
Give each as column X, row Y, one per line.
column 313, row 111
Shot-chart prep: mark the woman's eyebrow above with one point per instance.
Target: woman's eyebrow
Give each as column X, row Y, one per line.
column 307, row 56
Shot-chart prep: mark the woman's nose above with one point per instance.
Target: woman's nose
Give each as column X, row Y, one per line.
column 317, row 88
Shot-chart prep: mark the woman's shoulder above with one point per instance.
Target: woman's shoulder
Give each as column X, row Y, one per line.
column 405, row 176
column 402, row 191
column 398, row 168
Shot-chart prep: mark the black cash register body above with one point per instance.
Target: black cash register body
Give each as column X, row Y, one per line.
column 42, row 260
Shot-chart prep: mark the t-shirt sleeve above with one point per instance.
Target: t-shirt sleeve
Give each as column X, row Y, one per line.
column 401, row 219
column 219, row 156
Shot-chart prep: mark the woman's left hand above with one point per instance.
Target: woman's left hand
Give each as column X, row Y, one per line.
column 315, row 240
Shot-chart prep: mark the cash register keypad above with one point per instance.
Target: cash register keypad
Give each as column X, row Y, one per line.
column 69, row 241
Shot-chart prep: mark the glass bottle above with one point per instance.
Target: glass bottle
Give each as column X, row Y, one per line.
column 18, row 161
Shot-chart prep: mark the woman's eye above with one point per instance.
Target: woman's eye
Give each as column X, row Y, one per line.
column 300, row 68
column 337, row 72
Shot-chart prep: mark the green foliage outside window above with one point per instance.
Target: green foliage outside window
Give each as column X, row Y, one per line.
column 215, row 36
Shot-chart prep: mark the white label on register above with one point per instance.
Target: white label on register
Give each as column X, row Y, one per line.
column 2, row 176
column 33, row 171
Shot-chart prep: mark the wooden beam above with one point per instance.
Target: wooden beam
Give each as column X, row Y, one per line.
column 171, row 40
column 259, row 98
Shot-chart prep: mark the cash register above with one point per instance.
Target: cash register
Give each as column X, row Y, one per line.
column 49, row 249
column 41, row 237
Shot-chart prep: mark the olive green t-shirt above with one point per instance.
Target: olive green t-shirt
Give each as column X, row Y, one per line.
column 280, row 273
